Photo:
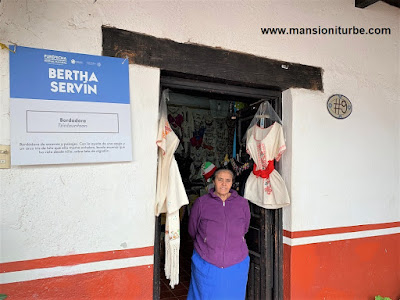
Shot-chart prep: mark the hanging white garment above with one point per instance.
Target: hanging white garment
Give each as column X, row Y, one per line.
column 171, row 195
column 265, row 145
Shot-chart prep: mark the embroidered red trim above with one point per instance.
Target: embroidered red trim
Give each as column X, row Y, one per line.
column 264, row 173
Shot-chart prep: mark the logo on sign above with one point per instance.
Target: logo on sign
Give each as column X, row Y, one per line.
column 55, row 59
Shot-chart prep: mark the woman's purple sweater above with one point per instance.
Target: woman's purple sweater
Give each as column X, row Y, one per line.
column 218, row 228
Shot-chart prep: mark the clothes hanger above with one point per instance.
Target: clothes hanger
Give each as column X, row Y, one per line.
column 263, row 116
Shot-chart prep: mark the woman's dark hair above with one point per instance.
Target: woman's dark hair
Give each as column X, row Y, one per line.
column 220, row 169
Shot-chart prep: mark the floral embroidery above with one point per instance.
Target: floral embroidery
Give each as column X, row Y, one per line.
column 267, row 188
column 166, row 130
column 239, row 170
column 262, row 160
column 173, row 235
column 280, row 152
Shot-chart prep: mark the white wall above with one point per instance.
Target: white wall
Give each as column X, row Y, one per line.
column 343, row 172
column 56, row 210
column 68, row 209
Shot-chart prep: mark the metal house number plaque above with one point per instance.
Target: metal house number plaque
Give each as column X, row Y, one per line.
column 339, row 106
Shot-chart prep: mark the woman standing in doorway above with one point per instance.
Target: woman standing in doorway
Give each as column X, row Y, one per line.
column 217, row 224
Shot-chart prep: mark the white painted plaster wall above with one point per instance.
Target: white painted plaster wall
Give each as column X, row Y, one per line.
column 57, row 210
column 344, row 172
column 68, row 209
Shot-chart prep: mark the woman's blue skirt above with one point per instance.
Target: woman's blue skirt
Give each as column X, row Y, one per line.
column 209, row 282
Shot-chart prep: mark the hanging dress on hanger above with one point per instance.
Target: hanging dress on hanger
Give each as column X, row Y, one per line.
column 265, row 186
column 170, row 194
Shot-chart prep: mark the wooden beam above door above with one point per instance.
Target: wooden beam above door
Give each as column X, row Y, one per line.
column 364, row 3
column 230, row 66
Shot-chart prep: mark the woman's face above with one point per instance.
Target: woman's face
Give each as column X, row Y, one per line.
column 223, row 182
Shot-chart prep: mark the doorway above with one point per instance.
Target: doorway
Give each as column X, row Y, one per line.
column 222, row 72
column 264, row 237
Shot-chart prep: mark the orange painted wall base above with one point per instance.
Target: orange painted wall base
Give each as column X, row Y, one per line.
column 350, row 269
column 122, row 284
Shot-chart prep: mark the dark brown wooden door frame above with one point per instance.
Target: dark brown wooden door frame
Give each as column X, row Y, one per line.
column 271, row 259
column 221, row 72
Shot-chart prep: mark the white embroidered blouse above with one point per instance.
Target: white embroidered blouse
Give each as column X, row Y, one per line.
column 265, row 145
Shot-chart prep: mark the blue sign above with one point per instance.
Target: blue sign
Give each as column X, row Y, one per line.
column 55, row 75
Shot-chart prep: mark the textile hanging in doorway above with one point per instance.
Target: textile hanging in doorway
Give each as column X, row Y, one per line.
column 265, row 186
column 171, row 194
